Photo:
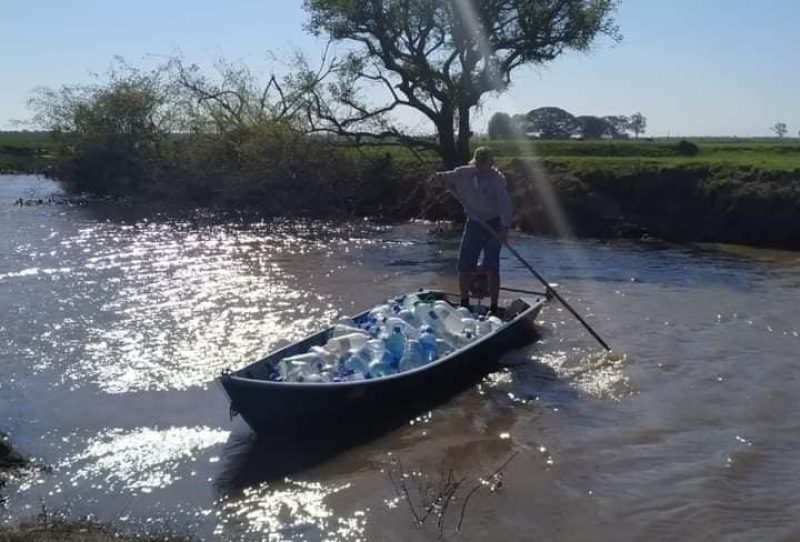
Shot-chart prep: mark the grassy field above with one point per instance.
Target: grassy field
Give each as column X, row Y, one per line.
column 25, row 139
column 32, row 151
column 768, row 154
column 25, row 152
column 624, row 156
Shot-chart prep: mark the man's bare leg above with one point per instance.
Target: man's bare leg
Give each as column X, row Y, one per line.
column 494, row 289
column 464, row 279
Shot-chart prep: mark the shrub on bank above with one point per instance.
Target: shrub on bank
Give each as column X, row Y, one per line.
column 687, row 148
column 122, row 140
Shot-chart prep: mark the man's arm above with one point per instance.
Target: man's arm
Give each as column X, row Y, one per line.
column 448, row 178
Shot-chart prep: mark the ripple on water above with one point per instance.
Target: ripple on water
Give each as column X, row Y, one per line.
column 293, row 510
column 597, row 373
column 179, row 305
column 141, row 460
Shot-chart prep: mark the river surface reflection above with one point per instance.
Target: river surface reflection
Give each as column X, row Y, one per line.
column 116, row 321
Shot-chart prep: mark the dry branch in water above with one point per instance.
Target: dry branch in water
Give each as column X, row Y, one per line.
column 429, row 497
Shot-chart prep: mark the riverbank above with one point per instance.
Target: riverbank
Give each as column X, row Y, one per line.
column 744, row 191
column 26, row 152
column 681, row 203
column 730, row 191
column 9, row 458
column 48, row 529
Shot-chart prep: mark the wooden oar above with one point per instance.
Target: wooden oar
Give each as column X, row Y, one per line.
column 530, row 268
column 521, row 291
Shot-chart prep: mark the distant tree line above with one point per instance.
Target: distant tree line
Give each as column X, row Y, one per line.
column 557, row 123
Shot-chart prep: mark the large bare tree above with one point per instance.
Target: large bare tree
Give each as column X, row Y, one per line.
column 440, row 58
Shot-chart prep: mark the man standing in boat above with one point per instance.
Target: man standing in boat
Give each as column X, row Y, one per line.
column 483, row 191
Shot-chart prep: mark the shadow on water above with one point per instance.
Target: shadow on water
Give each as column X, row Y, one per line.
column 253, row 458
column 250, row 458
column 529, row 380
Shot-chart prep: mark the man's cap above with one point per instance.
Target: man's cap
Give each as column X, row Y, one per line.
column 482, row 156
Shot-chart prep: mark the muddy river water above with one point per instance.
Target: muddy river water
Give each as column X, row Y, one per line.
column 114, row 324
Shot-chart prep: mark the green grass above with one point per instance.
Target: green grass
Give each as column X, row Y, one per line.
column 31, row 151
column 769, row 154
column 25, row 151
column 629, row 154
column 26, row 139
column 623, row 165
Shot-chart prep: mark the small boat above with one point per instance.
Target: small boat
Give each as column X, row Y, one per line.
column 268, row 406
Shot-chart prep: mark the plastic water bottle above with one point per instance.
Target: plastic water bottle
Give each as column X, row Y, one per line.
column 298, row 368
column 396, row 344
column 482, row 327
column 340, row 329
column 468, row 326
column 376, row 319
column 412, row 357
column 373, row 328
column 344, row 343
column 409, row 317
column 451, row 319
column 410, row 301
column 427, row 316
column 381, row 360
column 380, row 311
column 283, row 371
column 428, row 345
column 356, row 363
column 293, row 370
column 409, row 330
column 318, row 378
column 464, row 312
column 330, row 373
column 328, row 357
column 444, row 347
column 495, row 322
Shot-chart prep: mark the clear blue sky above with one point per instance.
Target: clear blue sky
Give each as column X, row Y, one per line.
column 692, row 67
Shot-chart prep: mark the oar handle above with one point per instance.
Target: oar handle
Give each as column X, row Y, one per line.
column 530, row 268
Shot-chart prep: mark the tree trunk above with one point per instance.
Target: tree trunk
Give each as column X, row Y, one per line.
column 447, row 140
column 464, row 134
column 454, row 145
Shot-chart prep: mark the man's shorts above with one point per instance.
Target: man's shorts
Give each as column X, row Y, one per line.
column 476, row 238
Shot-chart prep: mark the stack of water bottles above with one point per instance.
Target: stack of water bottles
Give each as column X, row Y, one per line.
column 405, row 333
